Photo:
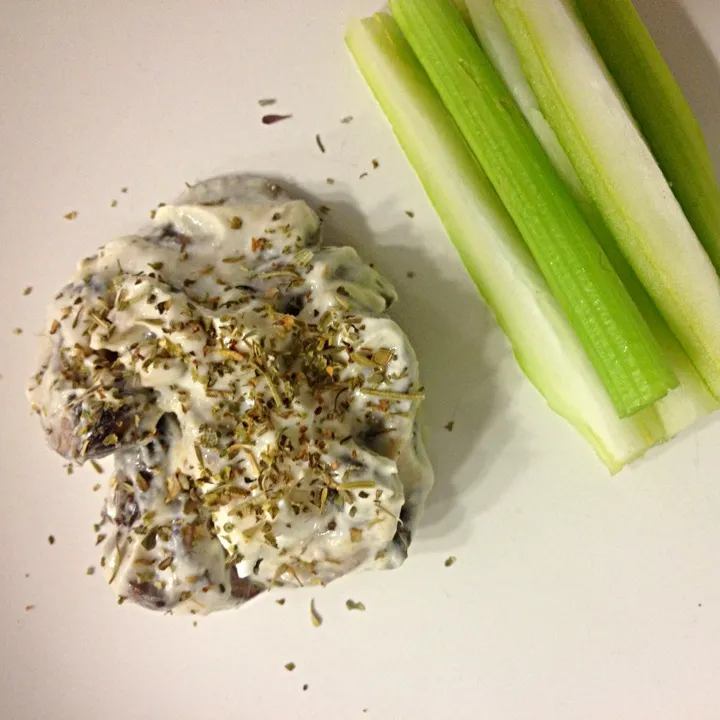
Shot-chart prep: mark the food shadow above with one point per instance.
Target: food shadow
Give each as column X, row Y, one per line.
column 450, row 328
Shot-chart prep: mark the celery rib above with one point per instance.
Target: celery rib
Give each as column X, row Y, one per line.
column 660, row 108
column 617, row 340
column 620, row 174
column 491, row 247
column 691, row 400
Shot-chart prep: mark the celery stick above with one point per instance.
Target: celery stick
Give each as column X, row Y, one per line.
column 619, row 172
column 491, row 247
column 617, row 340
column 689, row 402
column 661, row 111
column 496, row 43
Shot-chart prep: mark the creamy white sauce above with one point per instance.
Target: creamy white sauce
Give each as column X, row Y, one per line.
column 288, row 447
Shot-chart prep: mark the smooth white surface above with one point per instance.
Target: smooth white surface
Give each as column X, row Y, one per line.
column 574, row 595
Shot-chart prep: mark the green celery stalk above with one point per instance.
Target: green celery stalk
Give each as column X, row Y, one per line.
column 491, row 247
column 617, row 340
column 689, row 402
column 583, row 106
column 661, row 110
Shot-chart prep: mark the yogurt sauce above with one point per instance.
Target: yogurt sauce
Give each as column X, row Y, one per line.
column 260, row 406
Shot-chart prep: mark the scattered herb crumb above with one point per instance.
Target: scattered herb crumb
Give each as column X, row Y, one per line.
column 113, row 203
column 266, row 102
column 320, row 144
column 450, row 561
column 28, row 608
column 347, row 119
column 352, row 605
column 323, row 209
column 194, row 623
column 69, row 469
column 71, row 215
column 290, row 666
column 450, row 426
column 411, row 274
column 305, row 686
column 96, row 466
column 96, row 487
column 51, row 539
column 410, row 213
column 235, row 222
column 27, row 290
column 375, row 163
column 27, row 575
column 314, row 615
column 18, row 331
column 123, row 190
column 330, row 181
column 280, row 601
column 363, row 175
column 272, row 119
column 90, row 570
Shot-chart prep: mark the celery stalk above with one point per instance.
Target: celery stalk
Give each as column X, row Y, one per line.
column 617, row 340
column 661, row 110
column 619, row 172
column 491, row 247
column 496, row 43
column 689, row 402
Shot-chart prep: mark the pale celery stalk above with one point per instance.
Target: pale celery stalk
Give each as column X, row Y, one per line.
column 490, row 245
column 496, row 43
column 661, row 110
column 617, row 169
column 617, row 340
column 689, row 402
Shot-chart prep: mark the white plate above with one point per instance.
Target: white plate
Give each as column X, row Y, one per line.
column 574, row 594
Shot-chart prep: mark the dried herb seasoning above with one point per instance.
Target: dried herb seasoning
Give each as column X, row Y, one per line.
column 315, row 617
column 272, row 119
